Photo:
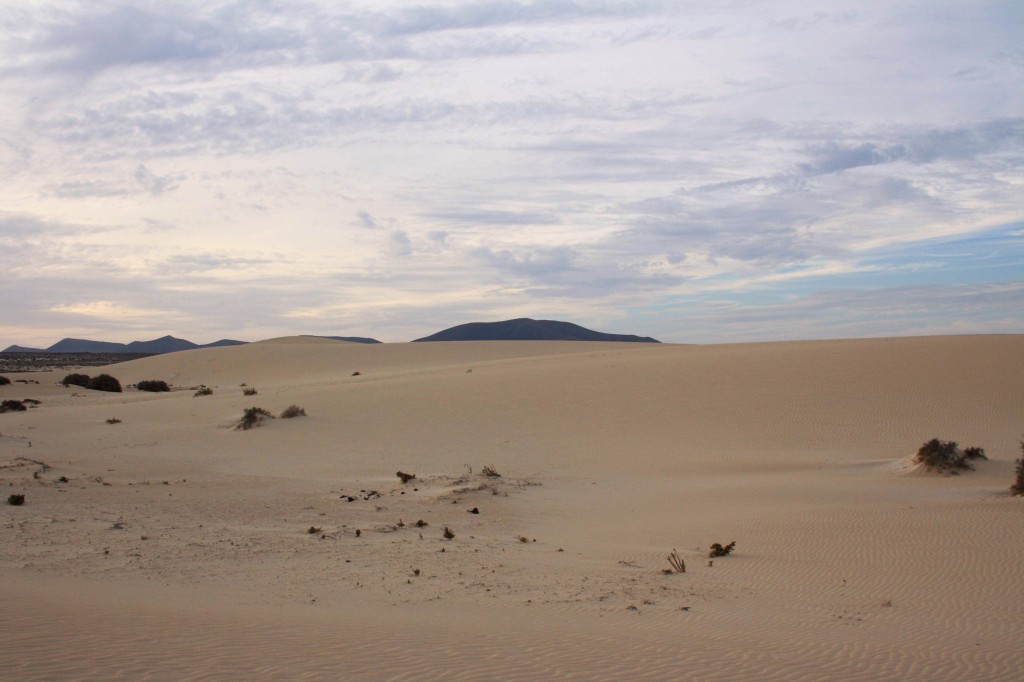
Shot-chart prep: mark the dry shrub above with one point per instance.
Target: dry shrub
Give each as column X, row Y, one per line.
column 76, row 380
column 251, row 418
column 947, row 456
column 153, row 386
column 104, row 382
column 1018, row 485
column 293, row 411
column 676, row 562
column 718, row 550
column 12, row 406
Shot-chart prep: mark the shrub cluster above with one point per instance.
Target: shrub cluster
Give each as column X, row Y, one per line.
column 202, row 390
column 4, row 380
column 153, row 386
column 103, row 382
column 947, row 456
column 12, row 406
column 249, row 390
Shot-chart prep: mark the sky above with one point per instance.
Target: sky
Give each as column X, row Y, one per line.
column 699, row 172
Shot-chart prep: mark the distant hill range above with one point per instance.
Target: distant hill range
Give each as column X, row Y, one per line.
column 165, row 344
column 522, row 329
column 525, row 329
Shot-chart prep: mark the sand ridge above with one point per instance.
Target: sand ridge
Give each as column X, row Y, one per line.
column 611, row 455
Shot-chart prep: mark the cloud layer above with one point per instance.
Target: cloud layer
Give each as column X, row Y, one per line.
column 688, row 170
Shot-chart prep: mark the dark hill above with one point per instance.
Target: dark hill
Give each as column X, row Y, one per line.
column 525, row 329
column 165, row 344
column 353, row 339
column 21, row 349
column 349, row 339
column 86, row 346
column 224, row 342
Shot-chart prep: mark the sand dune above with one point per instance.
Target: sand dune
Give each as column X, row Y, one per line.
column 179, row 548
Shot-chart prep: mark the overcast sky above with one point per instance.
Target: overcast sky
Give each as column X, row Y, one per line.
column 694, row 171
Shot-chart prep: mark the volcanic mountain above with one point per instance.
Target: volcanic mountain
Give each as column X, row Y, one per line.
column 525, row 329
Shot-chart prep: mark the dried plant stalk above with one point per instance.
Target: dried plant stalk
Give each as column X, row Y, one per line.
column 676, row 561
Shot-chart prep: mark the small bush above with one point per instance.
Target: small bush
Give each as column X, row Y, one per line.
column 490, row 472
column 404, row 477
column 202, row 390
column 448, row 534
column 16, row 500
column 947, row 456
column 105, row 382
column 293, row 411
column 252, row 417
column 718, row 550
column 12, row 406
column 113, row 420
column 153, row 386
column 249, row 390
column 4, row 380
column 1018, row 485
column 76, row 380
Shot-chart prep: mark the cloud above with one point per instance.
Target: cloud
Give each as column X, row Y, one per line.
column 107, row 310
column 490, row 13
column 835, row 158
column 190, row 264
column 532, row 263
column 152, row 183
column 81, row 189
column 126, row 35
column 493, row 217
column 398, row 243
column 366, row 220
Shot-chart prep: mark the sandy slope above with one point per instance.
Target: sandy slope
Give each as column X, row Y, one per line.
column 179, row 548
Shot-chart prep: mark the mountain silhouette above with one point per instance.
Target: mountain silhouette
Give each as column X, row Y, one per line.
column 525, row 329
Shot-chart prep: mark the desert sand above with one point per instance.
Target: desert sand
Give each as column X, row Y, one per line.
column 179, row 548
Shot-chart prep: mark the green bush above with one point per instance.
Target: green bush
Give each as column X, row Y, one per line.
column 105, row 382
column 76, row 380
column 153, row 386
